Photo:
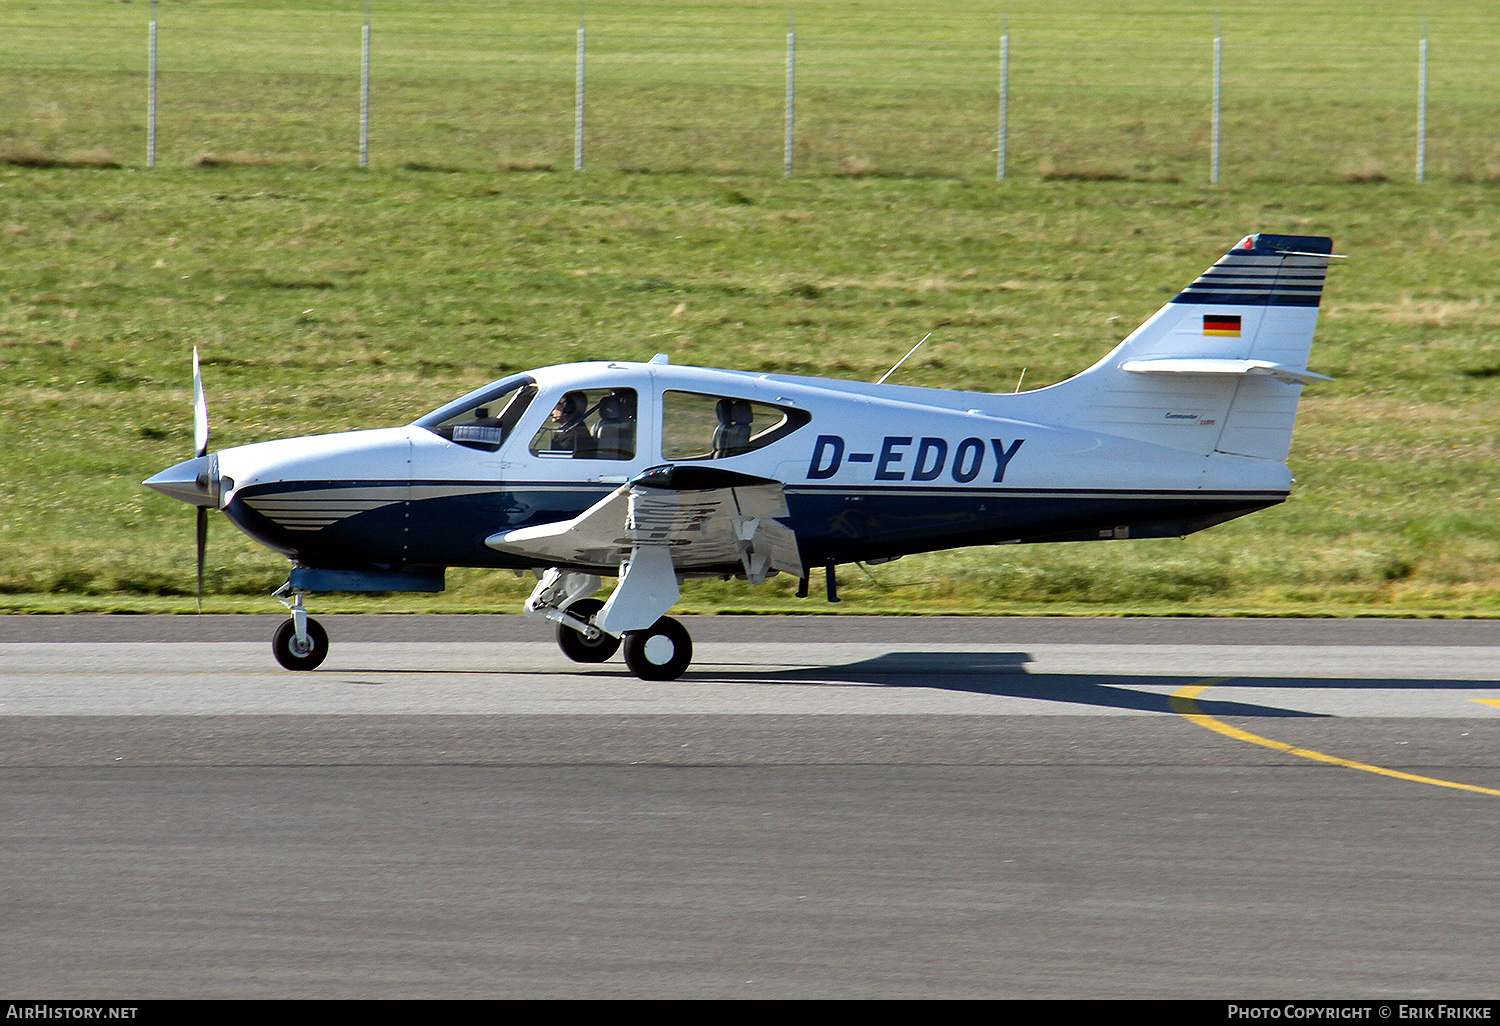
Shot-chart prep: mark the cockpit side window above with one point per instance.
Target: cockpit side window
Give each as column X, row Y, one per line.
column 483, row 419
column 592, row 424
column 696, row 426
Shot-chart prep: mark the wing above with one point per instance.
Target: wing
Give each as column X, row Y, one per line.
column 705, row 519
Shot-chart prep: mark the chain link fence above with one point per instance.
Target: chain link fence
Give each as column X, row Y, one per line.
column 912, row 92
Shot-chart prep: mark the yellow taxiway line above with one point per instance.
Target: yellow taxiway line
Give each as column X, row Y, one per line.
column 1184, row 702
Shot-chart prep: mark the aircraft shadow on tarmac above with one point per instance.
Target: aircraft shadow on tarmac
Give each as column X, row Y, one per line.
column 1002, row 674
column 1006, row 674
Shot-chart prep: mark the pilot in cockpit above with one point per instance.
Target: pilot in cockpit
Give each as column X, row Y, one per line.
column 569, row 430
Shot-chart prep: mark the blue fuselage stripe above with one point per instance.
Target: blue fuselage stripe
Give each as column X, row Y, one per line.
column 838, row 522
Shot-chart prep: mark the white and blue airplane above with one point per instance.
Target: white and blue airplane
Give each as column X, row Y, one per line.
column 654, row 472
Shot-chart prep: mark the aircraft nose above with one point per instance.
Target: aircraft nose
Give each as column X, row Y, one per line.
column 194, row 481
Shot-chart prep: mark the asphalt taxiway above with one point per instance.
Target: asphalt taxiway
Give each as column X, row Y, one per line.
column 822, row 806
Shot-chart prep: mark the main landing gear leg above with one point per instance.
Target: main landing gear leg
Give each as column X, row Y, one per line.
column 657, row 647
column 300, row 643
column 561, row 597
column 576, row 644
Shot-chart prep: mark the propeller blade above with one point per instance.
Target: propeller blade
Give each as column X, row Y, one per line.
column 202, row 549
column 200, row 410
column 200, row 448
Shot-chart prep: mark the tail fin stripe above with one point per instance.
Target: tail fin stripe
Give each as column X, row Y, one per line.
column 1311, row 279
column 1248, row 299
column 1262, row 271
column 1242, row 276
column 1232, row 286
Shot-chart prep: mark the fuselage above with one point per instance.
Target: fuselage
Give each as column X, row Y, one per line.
column 869, row 472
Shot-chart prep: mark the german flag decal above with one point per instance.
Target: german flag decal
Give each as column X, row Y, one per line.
column 1222, row 325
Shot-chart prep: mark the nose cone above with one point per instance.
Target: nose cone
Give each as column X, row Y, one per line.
column 194, row 481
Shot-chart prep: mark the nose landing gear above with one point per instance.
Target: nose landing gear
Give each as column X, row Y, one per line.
column 300, row 643
column 296, row 653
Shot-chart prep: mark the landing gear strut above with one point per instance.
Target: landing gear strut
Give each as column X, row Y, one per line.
column 577, row 645
column 300, row 643
column 661, row 651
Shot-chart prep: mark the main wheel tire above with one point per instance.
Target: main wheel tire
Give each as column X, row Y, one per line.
column 579, row 648
column 286, row 649
column 660, row 652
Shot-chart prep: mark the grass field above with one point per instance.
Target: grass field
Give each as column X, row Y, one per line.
column 325, row 297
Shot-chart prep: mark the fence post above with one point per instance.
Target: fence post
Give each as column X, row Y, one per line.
column 1213, row 174
column 1422, row 106
column 578, row 98
column 1004, row 101
column 364, row 92
column 791, row 92
column 151, row 92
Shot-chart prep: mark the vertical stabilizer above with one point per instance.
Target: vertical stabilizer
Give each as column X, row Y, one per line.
column 1221, row 366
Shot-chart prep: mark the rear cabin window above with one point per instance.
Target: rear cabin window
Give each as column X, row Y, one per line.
column 696, row 426
column 592, row 424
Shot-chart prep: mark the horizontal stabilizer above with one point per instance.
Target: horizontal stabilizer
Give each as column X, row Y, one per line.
column 1195, row 365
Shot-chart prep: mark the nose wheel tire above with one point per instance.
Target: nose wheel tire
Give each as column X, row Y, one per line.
column 297, row 657
column 579, row 648
column 661, row 652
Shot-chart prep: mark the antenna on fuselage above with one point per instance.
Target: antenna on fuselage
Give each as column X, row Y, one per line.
column 904, row 358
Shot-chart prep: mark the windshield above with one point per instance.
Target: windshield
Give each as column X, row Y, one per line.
column 483, row 419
